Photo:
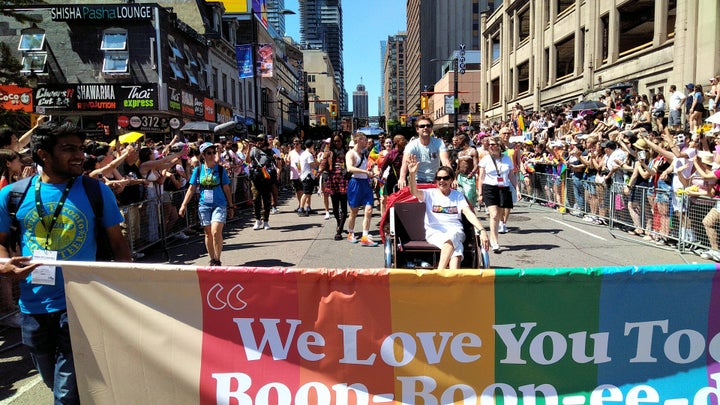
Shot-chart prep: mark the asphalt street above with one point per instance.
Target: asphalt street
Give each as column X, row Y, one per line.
column 538, row 237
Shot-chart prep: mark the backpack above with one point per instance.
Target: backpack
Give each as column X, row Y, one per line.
column 92, row 190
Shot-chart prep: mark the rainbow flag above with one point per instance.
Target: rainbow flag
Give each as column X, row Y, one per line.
column 279, row 335
column 618, row 116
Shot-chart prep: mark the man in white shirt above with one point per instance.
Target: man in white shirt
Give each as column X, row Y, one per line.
column 307, row 178
column 675, row 103
column 293, row 161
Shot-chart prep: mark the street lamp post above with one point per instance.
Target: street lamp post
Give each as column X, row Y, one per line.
column 455, row 94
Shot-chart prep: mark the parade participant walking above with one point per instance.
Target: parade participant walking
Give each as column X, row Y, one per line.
column 444, row 208
column 293, row 162
column 58, row 222
column 263, row 173
column 496, row 177
column 359, row 192
column 334, row 163
column 429, row 151
column 214, row 184
column 307, row 177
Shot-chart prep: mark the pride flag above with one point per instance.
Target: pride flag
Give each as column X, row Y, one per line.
column 179, row 334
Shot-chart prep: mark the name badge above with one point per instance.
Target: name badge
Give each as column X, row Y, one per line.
column 500, row 181
column 208, row 196
column 44, row 275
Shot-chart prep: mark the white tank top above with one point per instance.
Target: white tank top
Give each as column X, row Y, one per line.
column 363, row 165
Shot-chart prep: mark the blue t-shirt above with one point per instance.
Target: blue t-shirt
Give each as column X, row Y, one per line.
column 209, row 178
column 73, row 235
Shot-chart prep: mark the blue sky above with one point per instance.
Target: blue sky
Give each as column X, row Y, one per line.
column 365, row 24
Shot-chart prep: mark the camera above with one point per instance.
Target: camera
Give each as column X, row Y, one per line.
column 642, row 155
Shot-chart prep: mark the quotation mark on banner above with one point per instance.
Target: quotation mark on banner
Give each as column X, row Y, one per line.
column 217, row 299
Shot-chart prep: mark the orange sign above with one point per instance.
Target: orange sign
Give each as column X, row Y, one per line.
column 16, row 98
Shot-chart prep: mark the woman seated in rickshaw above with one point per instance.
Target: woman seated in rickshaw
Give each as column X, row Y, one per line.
column 444, row 208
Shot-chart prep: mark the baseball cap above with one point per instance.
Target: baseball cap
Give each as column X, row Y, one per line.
column 609, row 144
column 206, row 145
column 690, row 86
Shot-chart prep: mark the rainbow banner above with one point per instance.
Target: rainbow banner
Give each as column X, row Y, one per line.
column 188, row 335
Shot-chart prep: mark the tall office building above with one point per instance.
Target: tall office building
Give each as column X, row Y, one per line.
column 381, row 98
column 394, row 86
column 274, row 17
column 360, row 102
column 445, row 25
column 321, row 28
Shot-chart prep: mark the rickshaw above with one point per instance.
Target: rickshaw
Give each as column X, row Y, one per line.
column 402, row 230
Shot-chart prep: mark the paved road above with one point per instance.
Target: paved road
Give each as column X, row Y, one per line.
column 539, row 237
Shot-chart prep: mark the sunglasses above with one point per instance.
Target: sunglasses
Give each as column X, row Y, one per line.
column 421, row 126
column 210, row 152
column 492, row 144
column 438, row 178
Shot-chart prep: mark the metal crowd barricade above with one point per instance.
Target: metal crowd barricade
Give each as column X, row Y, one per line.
column 651, row 210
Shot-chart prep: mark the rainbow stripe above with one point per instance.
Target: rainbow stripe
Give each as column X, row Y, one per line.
column 455, row 334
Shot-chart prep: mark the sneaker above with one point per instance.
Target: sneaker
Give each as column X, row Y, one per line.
column 707, row 255
column 13, row 320
column 327, row 215
column 274, row 210
column 258, row 225
column 367, row 241
column 338, row 236
column 306, row 213
column 138, row 255
column 182, row 236
column 502, row 227
column 266, row 225
column 588, row 218
column 351, row 238
column 715, row 256
column 495, row 247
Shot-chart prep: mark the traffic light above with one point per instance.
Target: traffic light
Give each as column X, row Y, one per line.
column 333, row 109
column 402, row 120
column 478, row 106
column 423, row 102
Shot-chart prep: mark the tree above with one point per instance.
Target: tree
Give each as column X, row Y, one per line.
column 8, row 9
column 10, row 67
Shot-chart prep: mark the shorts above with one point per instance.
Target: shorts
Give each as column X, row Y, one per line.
column 297, row 184
column 674, row 119
column 359, row 193
column 308, row 185
column 498, row 196
column 662, row 192
column 590, row 185
column 211, row 213
column 439, row 238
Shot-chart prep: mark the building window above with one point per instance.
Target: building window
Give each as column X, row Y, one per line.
column 605, row 33
column 215, row 82
column 523, row 77
column 495, row 91
column 224, row 87
column 177, row 71
column 114, row 41
column 116, row 62
column 671, row 18
column 233, row 92
column 32, row 41
column 524, row 24
column 174, row 49
column 34, row 62
column 495, row 47
column 564, row 5
column 636, row 26
column 565, row 58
